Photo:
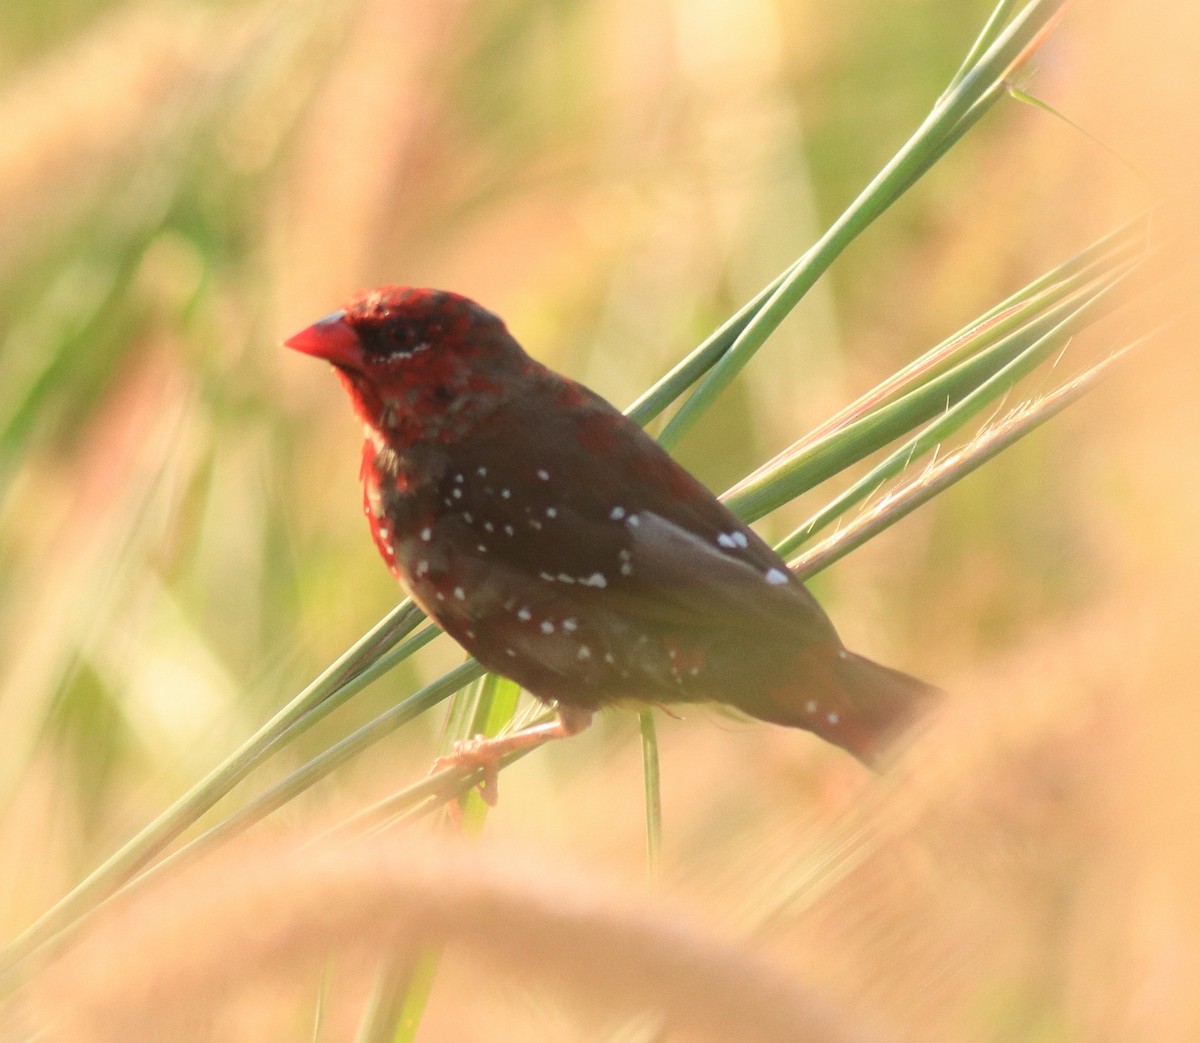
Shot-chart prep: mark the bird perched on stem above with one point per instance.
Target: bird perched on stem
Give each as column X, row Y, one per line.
column 564, row 548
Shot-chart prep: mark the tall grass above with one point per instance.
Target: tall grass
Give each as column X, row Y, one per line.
column 163, row 497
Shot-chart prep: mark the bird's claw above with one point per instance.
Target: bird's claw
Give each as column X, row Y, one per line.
column 469, row 755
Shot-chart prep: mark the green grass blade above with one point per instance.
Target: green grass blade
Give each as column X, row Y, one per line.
column 351, row 672
column 420, row 981
column 650, row 773
column 701, row 359
column 945, row 472
column 1101, row 259
column 1000, row 14
column 321, row 1004
column 404, row 989
column 387, row 1016
column 930, row 141
column 998, row 344
column 346, row 749
column 950, row 421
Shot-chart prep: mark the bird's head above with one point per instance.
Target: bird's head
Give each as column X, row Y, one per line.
column 418, row 363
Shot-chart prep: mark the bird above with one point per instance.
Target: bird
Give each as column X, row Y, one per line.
column 564, row 548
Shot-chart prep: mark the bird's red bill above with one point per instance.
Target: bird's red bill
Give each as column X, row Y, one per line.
column 329, row 338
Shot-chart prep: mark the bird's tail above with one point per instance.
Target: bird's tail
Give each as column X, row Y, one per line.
column 852, row 702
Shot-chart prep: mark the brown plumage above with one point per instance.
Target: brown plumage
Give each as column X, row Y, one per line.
column 564, row 548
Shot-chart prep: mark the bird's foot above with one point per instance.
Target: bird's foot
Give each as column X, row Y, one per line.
column 470, row 755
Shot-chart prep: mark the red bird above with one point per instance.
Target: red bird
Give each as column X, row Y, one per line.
column 561, row 545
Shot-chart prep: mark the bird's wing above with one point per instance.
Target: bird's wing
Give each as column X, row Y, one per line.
column 610, row 521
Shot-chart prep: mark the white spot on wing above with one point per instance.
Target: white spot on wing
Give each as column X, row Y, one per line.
column 617, row 513
column 596, row 579
column 543, row 474
column 547, row 627
column 740, row 539
column 726, row 541
column 775, row 577
column 427, row 534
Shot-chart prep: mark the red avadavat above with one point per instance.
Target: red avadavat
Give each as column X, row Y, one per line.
column 562, row 546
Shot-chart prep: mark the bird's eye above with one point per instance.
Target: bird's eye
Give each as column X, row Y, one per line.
column 388, row 341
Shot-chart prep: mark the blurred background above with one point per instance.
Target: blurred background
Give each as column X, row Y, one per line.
column 182, row 185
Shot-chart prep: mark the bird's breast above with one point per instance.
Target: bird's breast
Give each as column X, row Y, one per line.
column 398, row 494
